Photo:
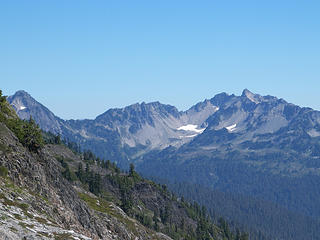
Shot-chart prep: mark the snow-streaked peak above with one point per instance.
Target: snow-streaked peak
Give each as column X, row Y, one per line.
column 231, row 128
column 19, row 106
column 192, row 128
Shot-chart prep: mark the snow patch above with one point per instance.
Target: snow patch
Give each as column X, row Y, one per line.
column 189, row 136
column 313, row 133
column 192, row 128
column 250, row 97
column 231, row 128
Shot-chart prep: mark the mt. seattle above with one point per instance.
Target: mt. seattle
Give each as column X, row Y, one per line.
column 260, row 147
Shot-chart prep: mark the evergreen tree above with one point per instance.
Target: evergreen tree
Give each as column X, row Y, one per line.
column 57, row 139
column 67, row 173
column 107, row 164
column 131, row 171
column 96, row 184
column 87, row 170
column 155, row 220
column 80, row 173
column 32, row 137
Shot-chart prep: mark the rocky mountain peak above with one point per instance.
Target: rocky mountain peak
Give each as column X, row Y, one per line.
column 26, row 106
column 20, row 99
column 246, row 92
column 22, row 93
column 256, row 98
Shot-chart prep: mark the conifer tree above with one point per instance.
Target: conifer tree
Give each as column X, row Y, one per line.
column 32, row 137
column 80, row 173
column 131, row 171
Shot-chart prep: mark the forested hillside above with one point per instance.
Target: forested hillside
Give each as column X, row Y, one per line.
column 262, row 219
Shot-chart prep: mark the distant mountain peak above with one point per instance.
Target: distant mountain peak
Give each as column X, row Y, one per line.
column 22, row 93
column 256, row 98
column 246, row 92
column 26, row 106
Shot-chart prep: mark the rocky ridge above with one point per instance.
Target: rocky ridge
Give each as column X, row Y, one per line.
column 38, row 203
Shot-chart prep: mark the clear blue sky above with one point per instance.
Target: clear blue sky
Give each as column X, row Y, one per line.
column 80, row 58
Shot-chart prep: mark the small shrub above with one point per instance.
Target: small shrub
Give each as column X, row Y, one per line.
column 3, row 171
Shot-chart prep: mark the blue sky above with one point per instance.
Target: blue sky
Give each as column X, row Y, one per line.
column 80, row 58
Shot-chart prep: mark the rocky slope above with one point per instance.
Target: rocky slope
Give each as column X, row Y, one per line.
column 37, row 202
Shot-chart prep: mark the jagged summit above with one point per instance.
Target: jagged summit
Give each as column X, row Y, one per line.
column 246, row 92
column 256, row 98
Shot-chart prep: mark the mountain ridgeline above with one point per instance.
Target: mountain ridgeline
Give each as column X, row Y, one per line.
column 52, row 192
column 257, row 149
column 121, row 134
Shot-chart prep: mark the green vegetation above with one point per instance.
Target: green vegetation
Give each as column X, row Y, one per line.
column 4, row 148
column 92, row 179
column 50, row 138
column 95, row 203
column 28, row 132
column 66, row 172
column 44, row 234
column 41, row 220
column 62, row 236
column 13, row 229
column 246, row 213
column 101, row 205
column 17, row 216
column 24, row 225
column 3, row 171
column 163, row 219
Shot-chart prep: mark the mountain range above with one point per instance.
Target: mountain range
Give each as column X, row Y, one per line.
column 129, row 132
column 257, row 146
